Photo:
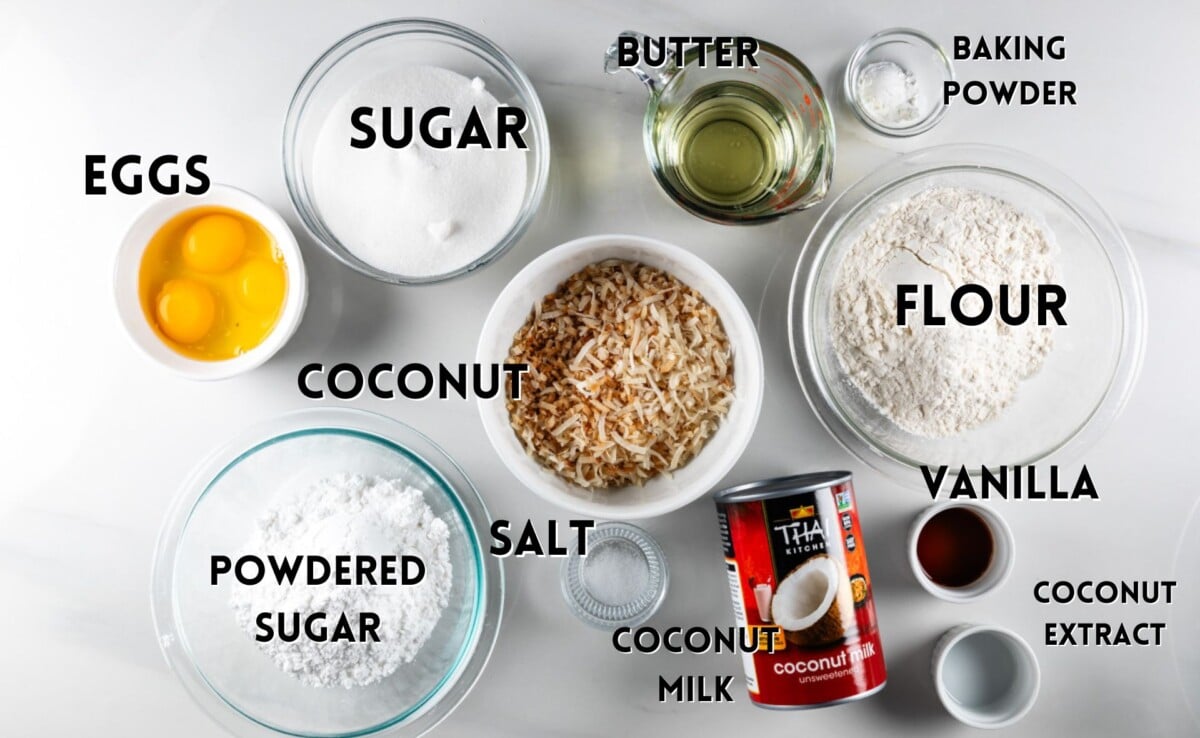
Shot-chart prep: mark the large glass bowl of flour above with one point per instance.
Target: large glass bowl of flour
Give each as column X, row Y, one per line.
column 1083, row 380
column 415, row 214
column 220, row 508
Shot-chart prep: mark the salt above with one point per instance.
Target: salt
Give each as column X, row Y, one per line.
column 616, row 572
column 888, row 94
column 416, row 211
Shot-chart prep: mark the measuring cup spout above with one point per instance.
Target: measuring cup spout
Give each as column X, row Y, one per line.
column 654, row 76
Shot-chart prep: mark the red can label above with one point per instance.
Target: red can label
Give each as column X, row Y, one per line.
column 796, row 561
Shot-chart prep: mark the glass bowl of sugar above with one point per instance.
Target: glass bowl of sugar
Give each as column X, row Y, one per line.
column 415, row 151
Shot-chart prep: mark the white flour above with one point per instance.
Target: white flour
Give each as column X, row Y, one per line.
column 939, row 381
column 355, row 515
column 416, row 211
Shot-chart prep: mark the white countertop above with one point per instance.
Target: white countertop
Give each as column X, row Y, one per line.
column 96, row 439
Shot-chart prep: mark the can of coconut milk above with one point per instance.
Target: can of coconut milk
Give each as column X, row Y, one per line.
column 795, row 559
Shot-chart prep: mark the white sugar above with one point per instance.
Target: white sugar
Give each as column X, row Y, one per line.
column 416, row 211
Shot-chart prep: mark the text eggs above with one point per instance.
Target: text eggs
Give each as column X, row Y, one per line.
column 212, row 283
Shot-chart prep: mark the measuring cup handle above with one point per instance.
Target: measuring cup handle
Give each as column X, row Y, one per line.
column 654, row 77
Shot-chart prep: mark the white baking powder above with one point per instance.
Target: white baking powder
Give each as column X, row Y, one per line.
column 416, row 211
column 888, row 94
column 933, row 380
column 354, row 515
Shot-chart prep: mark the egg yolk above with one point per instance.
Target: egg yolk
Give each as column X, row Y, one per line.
column 186, row 310
column 261, row 286
column 214, row 243
column 212, row 283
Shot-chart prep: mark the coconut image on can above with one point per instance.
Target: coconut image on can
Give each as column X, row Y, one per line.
column 797, row 569
column 812, row 602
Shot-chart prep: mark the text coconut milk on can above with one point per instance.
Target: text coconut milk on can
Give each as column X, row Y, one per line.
column 795, row 559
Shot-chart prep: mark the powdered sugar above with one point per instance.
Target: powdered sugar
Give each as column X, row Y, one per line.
column 354, row 515
column 934, row 380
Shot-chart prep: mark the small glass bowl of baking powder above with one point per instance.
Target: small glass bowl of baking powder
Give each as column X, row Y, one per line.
column 622, row 579
column 894, row 82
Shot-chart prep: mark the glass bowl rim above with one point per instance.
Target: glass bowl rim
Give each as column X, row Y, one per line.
column 440, row 30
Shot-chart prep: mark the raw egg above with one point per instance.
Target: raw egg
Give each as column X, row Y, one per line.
column 214, row 243
column 186, row 310
column 212, row 283
column 261, row 285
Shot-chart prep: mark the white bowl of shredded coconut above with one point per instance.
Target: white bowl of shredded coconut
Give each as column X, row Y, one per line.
column 990, row 394
column 657, row 477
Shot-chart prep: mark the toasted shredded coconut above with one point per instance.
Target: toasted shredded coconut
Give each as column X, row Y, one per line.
column 630, row 375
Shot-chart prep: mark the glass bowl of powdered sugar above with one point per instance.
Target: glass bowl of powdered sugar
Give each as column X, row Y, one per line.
column 323, row 575
column 415, row 151
column 1048, row 365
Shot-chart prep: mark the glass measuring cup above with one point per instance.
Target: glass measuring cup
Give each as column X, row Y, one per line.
column 735, row 145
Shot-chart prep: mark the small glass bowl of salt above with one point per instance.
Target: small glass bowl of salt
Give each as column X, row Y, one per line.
column 894, row 82
column 622, row 579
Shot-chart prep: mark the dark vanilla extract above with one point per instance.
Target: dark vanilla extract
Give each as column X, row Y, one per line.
column 955, row 547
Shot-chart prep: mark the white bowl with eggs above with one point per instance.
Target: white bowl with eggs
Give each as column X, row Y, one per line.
column 664, row 492
column 128, row 266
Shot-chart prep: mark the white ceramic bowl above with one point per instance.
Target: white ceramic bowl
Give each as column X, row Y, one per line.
column 129, row 259
column 985, row 676
column 661, row 494
column 1004, row 554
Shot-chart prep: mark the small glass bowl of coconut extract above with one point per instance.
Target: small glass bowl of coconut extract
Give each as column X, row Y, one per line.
column 622, row 579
